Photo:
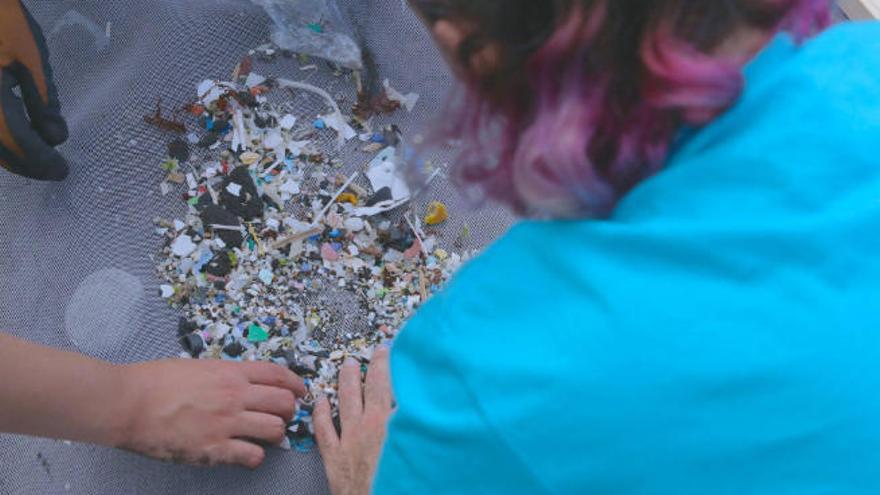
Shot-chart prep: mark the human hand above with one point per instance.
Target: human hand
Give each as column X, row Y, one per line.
column 206, row 412
column 350, row 459
column 27, row 138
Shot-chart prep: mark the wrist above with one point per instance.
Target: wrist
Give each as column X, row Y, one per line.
column 119, row 414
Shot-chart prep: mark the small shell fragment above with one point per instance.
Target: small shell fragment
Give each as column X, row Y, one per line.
column 249, row 157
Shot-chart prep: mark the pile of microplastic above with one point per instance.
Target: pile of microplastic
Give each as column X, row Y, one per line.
column 275, row 237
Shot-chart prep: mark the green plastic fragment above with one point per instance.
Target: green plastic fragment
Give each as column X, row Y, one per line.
column 170, row 165
column 382, row 292
column 251, row 244
column 233, row 258
column 236, row 310
column 192, row 201
column 257, row 333
column 314, row 26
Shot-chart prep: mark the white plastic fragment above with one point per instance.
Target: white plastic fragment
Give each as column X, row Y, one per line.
column 354, row 224
column 287, row 122
column 338, row 123
column 254, row 79
column 209, row 91
column 273, row 140
column 240, row 137
column 266, row 276
column 183, row 246
column 408, row 101
column 179, row 225
column 296, row 147
column 191, row 181
column 233, row 189
column 383, row 172
column 166, row 291
column 290, row 187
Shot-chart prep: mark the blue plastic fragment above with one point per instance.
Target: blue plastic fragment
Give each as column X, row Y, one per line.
column 269, row 320
column 304, row 445
column 220, row 298
column 285, row 332
column 335, row 233
column 337, row 246
column 377, row 137
column 209, row 124
column 320, row 124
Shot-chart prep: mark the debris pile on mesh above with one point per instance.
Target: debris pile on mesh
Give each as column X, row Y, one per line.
column 274, row 237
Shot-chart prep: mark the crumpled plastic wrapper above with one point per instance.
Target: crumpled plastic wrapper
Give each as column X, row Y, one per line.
column 314, row 27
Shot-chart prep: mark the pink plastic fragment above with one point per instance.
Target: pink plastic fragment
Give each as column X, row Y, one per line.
column 328, row 253
column 414, row 251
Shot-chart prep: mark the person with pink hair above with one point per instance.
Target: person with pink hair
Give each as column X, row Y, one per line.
column 690, row 304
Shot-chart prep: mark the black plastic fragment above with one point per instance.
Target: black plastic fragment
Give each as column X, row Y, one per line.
column 193, row 344
column 179, row 150
column 185, row 327
column 248, row 205
column 215, row 215
column 234, row 349
column 381, row 195
column 220, row 265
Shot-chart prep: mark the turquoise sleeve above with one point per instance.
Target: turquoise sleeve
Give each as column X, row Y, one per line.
column 440, row 440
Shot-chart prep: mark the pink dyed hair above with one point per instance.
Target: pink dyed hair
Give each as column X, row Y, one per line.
column 568, row 127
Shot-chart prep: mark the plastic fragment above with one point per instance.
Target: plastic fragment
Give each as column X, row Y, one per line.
column 437, row 213
column 234, row 189
column 183, row 246
column 287, row 122
column 249, row 157
column 257, row 333
column 348, row 197
column 328, row 253
column 354, row 224
column 193, row 343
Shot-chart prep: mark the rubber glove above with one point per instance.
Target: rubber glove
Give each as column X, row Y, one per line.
column 27, row 137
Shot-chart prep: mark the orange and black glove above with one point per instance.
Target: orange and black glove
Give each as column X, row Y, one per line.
column 27, row 137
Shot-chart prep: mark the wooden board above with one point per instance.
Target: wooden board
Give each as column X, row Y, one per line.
column 861, row 9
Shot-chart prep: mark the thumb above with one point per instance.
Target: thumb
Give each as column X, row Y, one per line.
column 22, row 150
column 38, row 89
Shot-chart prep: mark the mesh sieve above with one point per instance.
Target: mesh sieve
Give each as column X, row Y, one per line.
column 77, row 271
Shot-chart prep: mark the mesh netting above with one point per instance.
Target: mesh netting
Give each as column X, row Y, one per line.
column 77, row 270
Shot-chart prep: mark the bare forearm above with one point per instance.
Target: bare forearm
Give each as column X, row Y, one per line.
column 58, row 394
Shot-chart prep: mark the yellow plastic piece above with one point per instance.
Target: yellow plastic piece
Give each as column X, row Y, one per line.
column 348, row 197
column 437, row 213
